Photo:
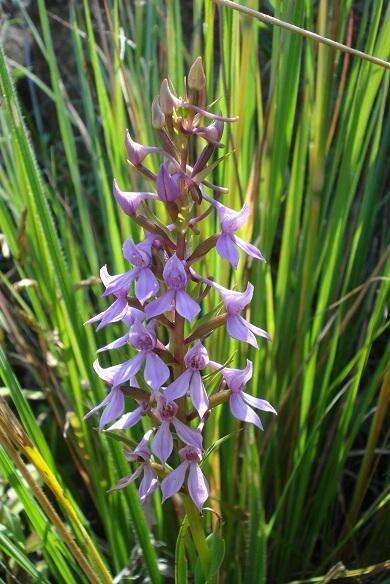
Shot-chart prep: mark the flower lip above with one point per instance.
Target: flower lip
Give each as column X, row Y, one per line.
column 196, row 358
column 191, row 454
column 141, row 338
column 167, row 409
column 174, row 274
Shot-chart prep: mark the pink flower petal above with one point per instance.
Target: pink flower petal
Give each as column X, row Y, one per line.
column 257, row 330
column 249, row 249
column 260, row 404
column 242, row 411
column 160, row 305
column 156, row 371
column 127, row 480
column 146, row 285
column 162, row 444
column 179, row 387
column 172, row 483
column 239, row 331
column 190, row 436
column 197, row 485
column 115, row 344
column 129, row 368
column 114, row 408
column 121, row 283
column 107, row 374
column 148, row 484
column 198, row 394
column 186, row 306
column 128, row 420
column 226, row 248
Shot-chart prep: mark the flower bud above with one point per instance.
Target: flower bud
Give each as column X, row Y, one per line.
column 158, row 118
column 196, row 76
column 136, row 153
column 167, row 185
column 212, row 133
column 168, row 101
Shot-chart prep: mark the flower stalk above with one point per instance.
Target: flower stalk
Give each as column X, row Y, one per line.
column 162, row 289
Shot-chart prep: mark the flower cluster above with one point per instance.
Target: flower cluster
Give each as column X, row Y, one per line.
column 159, row 297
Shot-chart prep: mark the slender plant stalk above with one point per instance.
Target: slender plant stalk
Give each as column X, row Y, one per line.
column 306, row 33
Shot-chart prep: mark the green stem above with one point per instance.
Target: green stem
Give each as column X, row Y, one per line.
column 198, row 534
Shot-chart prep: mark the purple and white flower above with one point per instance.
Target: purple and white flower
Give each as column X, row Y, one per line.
column 146, row 282
column 190, row 381
column 129, row 201
column 236, row 325
column 114, row 403
column 162, row 445
column 149, row 482
column 143, row 338
column 118, row 309
column 176, row 297
column 228, row 242
column 242, row 403
column 196, row 481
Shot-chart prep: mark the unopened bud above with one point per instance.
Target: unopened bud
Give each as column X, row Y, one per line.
column 167, row 185
column 168, row 101
column 136, row 153
column 196, row 76
column 158, row 118
column 212, row 133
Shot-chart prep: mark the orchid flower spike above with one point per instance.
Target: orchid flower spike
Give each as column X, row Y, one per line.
column 176, row 279
column 236, row 325
column 190, row 381
column 241, row 403
column 160, row 272
column 129, row 201
column 149, row 482
column 196, row 481
column 162, row 445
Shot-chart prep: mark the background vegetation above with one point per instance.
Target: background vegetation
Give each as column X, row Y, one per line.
column 309, row 153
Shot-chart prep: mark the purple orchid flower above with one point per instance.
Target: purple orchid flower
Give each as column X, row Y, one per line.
column 137, row 153
column 176, row 279
column 196, row 481
column 162, row 445
column 236, row 325
column 114, row 402
column 146, row 282
column 142, row 338
column 241, row 403
column 130, row 201
column 149, row 483
column 167, row 185
column 227, row 243
column 118, row 309
column 190, row 381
